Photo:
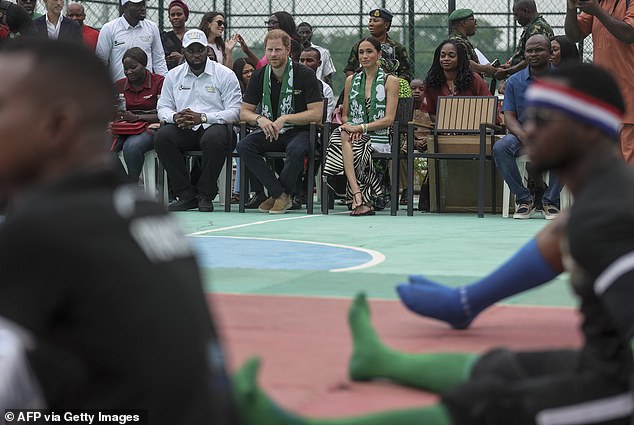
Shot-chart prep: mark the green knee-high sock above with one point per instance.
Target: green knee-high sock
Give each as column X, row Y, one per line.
column 256, row 408
column 372, row 359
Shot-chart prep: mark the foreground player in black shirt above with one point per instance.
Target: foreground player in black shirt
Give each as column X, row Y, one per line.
column 573, row 119
column 99, row 284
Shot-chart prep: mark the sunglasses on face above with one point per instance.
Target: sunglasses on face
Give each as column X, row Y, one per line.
column 271, row 23
column 220, row 22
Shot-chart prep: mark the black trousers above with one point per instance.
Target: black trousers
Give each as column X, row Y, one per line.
column 541, row 388
column 215, row 142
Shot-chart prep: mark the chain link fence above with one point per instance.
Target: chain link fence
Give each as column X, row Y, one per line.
column 418, row 25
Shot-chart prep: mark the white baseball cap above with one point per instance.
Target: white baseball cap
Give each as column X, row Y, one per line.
column 194, row 36
column 133, row 1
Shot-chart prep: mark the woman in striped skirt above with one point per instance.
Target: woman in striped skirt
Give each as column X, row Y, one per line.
column 369, row 108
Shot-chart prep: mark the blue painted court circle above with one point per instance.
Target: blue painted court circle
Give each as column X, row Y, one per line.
column 257, row 253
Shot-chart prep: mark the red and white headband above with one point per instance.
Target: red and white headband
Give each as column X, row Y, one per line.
column 573, row 102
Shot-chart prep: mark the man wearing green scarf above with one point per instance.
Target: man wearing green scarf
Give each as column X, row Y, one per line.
column 290, row 96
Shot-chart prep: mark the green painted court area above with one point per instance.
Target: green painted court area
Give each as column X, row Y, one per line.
column 280, row 288
column 453, row 249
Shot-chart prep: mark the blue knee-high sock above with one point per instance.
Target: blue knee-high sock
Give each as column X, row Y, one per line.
column 459, row 306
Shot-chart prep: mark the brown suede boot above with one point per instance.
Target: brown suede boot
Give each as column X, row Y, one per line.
column 282, row 204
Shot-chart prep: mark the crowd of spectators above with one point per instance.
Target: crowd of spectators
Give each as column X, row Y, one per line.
column 456, row 70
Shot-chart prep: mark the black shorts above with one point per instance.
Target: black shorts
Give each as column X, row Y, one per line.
column 538, row 388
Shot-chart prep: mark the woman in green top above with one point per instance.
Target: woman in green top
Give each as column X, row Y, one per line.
column 369, row 108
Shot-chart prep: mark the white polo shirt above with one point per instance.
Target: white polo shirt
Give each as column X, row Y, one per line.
column 329, row 95
column 215, row 92
column 118, row 35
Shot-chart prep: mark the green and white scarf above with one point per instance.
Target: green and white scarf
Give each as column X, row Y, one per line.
column 286, row 102
column 358, row 112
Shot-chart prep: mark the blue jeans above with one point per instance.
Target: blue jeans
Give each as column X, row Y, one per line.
column 134, row 149
column 505, row 151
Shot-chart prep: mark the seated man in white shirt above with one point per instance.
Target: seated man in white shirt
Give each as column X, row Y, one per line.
column 198, row 99
column 311, row 57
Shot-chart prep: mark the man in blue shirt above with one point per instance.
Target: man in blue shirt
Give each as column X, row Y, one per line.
column 508, row 148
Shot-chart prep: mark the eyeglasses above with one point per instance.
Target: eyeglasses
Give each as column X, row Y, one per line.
column 271, row 23
column 220, row 22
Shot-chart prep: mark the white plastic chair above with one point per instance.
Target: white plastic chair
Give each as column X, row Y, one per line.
column 149, row 176
column 565, row 197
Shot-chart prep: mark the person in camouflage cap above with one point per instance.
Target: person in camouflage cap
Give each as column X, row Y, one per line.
column 378, row 25
column 525, row 12
column 463, row 25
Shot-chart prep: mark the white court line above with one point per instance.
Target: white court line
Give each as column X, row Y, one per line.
column 377, row 257
column 238, row 226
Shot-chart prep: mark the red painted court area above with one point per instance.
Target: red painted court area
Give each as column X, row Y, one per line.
column 305, row 344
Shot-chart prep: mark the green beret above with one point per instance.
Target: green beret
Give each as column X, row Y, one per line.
column 460, row 14
column 382, row 13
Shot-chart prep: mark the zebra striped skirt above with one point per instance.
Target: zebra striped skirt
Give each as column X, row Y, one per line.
column 366, row 176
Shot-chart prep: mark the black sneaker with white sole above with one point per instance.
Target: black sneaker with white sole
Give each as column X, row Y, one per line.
column 524, row 211
column 550, row 211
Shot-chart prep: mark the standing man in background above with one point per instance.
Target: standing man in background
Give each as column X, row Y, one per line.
column 131, row 30
column 525, row 13
column 29, row 6
column 76, row 12
column 327, row 67
column 464, row 25
column 55, row 26
column 611, row 24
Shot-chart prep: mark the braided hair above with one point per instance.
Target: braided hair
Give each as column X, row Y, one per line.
column 436, row 76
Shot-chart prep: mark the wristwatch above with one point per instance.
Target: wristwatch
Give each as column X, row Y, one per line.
column 203, row 118
column 256, row 120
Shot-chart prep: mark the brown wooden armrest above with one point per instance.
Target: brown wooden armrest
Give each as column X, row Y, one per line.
column 495, row 127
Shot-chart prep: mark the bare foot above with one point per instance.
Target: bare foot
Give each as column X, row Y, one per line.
column 357, row 200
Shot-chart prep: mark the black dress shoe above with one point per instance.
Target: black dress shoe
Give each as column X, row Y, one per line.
column 182, row 204
column 205, row 204
column 296, row 204
column 255, row 201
